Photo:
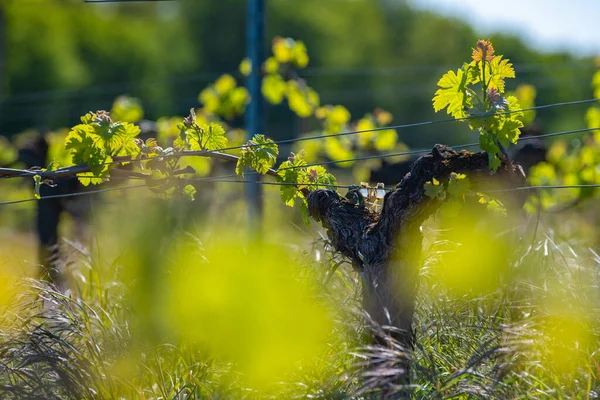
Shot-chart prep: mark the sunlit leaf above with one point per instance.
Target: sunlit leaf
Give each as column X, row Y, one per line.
column 501, row 69
column 452, row 94
column 260, row 155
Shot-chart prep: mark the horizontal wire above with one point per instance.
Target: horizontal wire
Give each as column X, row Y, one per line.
column 378, row 156
column 413, row 125
column 115, row 87
column 409, row 152
column 403, row 126
column 57, row 196
column 293, row 184
column 533, row 187
column 582, row 186
column 412, row 152
column 282, row 183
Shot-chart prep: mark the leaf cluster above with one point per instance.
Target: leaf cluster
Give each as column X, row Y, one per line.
column 475, row 93
column 281, row 81
column 97, row 140
column 453, row 193
column 225, row 98
column 570, row 163
column 297, row 175
column 372, row 138
column 259, row 154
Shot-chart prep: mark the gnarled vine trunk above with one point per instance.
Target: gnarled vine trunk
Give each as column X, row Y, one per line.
column 386, row 247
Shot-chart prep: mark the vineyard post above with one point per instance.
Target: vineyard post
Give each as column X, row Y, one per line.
column 255, row 112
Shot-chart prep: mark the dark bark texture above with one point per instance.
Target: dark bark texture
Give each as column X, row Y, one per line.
column 386, row 247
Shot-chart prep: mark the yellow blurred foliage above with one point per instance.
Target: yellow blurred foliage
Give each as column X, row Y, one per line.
column 473, row 259
column 567, row 340
column 247, row 305
column 15, row 263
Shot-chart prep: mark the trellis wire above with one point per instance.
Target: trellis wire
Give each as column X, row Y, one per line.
column 291, row 184
column 410, row 152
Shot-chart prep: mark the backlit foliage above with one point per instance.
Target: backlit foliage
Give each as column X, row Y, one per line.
column 108, row 140
column 283, row 83
column 475, row 93
column 97, row 140
column 568, row 162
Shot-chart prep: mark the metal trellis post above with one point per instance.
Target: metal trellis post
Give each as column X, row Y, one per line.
column 255, row 123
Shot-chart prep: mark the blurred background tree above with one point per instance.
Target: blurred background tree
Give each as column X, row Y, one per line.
column 63, row 58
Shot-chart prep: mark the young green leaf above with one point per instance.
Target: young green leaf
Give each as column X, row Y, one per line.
column 434, row 189
column 189, row 191
column 458, row 185
column 500, row 70
column 213, row 137
column 452, row 93
column 488, row 144
column 259, row 155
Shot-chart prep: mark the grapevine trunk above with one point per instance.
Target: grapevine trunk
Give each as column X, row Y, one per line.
column 385, row 248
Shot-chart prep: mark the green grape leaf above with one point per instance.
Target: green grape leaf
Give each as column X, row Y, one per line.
column 302, row 100
column 288, row 194
column 489, row 145
column 189, row 191
column 260, row 155
column 316, row 176
column 500, row 70
column 492, row 204
column 291, row 172
column 434, row 190
column 297, row 175
column 304, row 212
column 458, row 185
column 213, row 137
column 89, row 178
column 126, row 134
column 507, row 126
column 452, row 93
column 473, row 72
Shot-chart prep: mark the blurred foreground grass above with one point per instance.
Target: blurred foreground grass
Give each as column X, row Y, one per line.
column 170, row 303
